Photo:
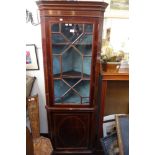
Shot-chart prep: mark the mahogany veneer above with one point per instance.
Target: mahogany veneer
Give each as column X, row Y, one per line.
column 71, row 41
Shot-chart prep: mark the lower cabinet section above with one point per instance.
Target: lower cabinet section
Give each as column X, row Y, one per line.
column 72, row 132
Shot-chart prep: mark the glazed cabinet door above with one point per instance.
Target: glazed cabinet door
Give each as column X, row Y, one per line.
column 72, row 55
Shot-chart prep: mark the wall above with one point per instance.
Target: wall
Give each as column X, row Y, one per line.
column 119, row 37
column 33, row 36
column 118, row 21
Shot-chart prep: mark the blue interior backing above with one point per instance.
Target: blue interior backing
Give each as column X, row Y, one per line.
column 71, row 61
column 82, row 88
column 58, row 38
column 60, row 88
column 85, row 39
column 88, row 27
column 87, row 65
column 58, row 49
column 55, row 27
column 56, row 64
column 84, row 49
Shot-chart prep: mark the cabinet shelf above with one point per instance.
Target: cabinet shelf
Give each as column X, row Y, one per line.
column 72, row 74
column 71, row 99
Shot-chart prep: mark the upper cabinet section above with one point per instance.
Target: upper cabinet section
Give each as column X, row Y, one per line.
column 71, row 34
column 72, row 8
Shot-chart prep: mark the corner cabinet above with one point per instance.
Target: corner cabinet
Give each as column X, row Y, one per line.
column 71, row 40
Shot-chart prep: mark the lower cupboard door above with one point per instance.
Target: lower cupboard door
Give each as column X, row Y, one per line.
column 72, row 130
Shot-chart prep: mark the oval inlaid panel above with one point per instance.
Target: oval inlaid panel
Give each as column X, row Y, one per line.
column 72, row 131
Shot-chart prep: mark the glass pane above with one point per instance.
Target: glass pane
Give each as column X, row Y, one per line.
column 66, row 62
column 83, row 88
column 71, row 61
column 60, row 88
column 58, row 38
column 88, row 27
column 71, row 31
column 85, row 39
column 85, row 49
column 87, row 65
column 58, row 100
column 85, row 100
column 56, row 65
column 72, row 97
column 58, row 49
column 55, row 28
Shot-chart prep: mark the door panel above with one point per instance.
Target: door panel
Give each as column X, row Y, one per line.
column 72, row 50
column 71, row 130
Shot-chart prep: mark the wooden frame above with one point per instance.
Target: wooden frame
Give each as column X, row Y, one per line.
column 31, row 57
column 48, row 56
column 122, row 147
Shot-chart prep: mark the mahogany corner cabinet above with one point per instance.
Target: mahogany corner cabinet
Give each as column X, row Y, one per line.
column 71, row 42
